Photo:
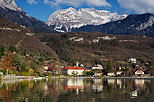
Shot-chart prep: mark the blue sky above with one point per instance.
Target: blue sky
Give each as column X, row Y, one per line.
column 41, row 9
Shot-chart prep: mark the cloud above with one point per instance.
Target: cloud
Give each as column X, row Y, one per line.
column 98, row 3
column 32, row 1
column 77, row 3
column 139, row 6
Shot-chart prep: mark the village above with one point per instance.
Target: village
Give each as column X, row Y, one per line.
column 99, row 70
column 20, row 65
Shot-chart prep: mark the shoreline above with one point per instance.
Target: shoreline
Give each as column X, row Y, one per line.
column 63, row 77
column 152, row 77
column 12, row 77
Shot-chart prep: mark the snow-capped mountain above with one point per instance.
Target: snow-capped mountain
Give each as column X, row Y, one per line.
column 10, row 4
column 9, row 10
column 72, row 18
column 138, row 24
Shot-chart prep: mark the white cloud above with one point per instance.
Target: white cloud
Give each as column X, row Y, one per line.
column 98, row 3
column 77, row 3
column 139, row 6
column 32, row 1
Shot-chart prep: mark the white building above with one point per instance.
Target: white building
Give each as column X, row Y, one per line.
column 119, row 72
column 100, row 67
column 111, row 74
column 139, row 72
column 68, row 70
column 132, row 60
column 46, row 67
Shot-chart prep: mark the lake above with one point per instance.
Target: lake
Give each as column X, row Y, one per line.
column 78, row 90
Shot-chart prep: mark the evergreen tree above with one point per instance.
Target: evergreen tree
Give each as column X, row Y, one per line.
column 2, row 51
column 109, row 66
column 12, row 49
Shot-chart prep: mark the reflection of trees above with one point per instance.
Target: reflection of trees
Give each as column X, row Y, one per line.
column 6, row 92
column 5, row 95
column 94, row 90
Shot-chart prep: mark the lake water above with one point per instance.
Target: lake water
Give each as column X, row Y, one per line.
column 78, row 90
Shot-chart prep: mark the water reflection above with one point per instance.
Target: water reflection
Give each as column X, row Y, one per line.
column 77, row 90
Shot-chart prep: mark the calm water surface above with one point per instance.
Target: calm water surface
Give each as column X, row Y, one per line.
column 78, row 90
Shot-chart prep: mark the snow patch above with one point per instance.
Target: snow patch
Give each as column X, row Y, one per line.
column 147, row 24
column 10, row 4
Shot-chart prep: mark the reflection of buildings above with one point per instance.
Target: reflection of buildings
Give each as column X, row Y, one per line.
column 111, row 81
column 97, row 85
column 133, row 94
column 119, row 82
column 74, row 84
column 139, row 82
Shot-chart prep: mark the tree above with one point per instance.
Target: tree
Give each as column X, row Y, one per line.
column 41, row 59
column 31, row 72
column 133, row 65
column 17, row 62
column 7, row 62
column 109, row 66
column 20, row 65
column 12, row 49
column 23, row 53
column 2, row 51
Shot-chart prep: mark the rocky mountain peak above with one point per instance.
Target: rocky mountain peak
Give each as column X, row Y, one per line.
column 10, row 4
column 72, row 18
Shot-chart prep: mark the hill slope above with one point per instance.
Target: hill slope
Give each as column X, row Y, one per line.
column 94, row 47
column 14, row 35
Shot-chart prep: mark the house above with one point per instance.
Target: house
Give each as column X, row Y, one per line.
column 132, row 60
column 119, row 72
column 55, row 69
column 68, row 70
column 139, row 72
column 111, row 74
column 98, row 73
column 46, row 67
column 99, row 67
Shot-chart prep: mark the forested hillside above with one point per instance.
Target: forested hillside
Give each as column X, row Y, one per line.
column 98, row 47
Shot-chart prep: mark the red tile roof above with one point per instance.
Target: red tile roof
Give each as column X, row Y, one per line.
column 73, row 68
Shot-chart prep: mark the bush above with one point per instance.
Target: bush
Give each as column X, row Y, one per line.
column 4, row 71
column 25, row 74
column 43, row 75
column 0, row 76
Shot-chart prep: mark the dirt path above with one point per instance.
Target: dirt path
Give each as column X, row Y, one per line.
column 20, row 41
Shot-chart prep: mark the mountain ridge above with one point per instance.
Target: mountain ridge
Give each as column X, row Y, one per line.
column 17, row 15
column 10, row 4
column 67, row 19
column 134, row 24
